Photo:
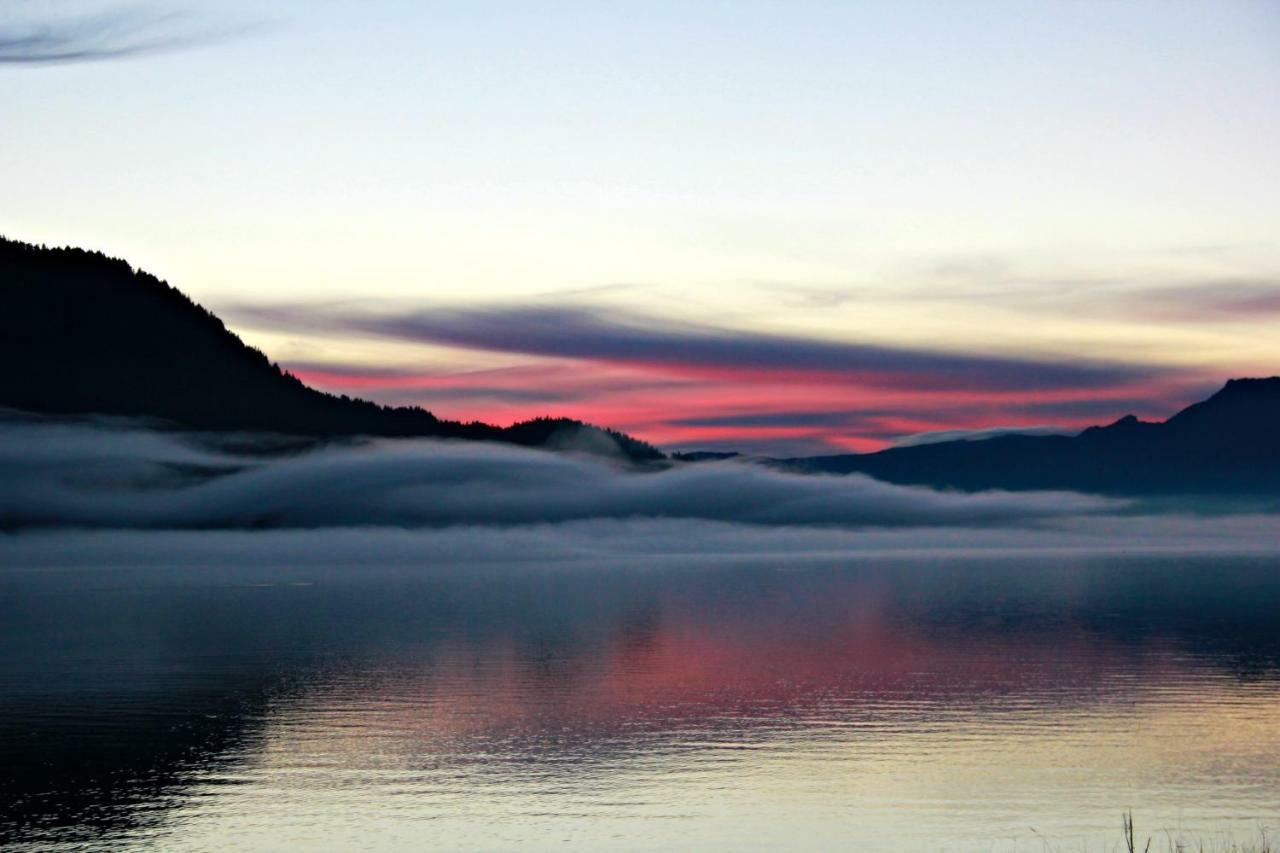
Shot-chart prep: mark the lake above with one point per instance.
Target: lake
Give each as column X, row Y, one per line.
column 870, row 702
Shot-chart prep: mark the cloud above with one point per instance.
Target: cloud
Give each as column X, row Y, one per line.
column 1228, row 300
column 936, row 436
column 1119, row 291
column 624, row 338
column 786, row 419
column 601, row 544
column 1159, row 404
column 539, row 383
column 83, row 475
column 370, row 381
column 765, row 412
column 86, row 37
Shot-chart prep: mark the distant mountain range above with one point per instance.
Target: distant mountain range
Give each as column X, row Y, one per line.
column 1227, row 444
column 82, row 333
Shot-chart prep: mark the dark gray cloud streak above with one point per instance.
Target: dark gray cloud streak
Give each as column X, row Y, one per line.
column 623, row 338
column 117, row 34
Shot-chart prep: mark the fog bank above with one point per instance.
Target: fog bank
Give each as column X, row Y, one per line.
column 123, row 476
column 116, row 493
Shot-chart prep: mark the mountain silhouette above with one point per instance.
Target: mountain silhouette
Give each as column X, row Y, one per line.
column 82, row 333
column 1227, row 444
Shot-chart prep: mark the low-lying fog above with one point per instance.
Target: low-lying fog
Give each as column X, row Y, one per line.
column 81, row 491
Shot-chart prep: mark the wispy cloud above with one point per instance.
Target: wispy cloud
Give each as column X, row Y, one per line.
column 1138, row 294
column 941, row 435
column 119, row 33
column 821, row 418
column 624, row 338
column 1227, row 300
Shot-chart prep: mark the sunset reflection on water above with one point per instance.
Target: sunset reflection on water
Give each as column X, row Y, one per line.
column 943, row 704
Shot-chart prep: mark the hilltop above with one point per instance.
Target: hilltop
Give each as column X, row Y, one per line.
column 83, row 333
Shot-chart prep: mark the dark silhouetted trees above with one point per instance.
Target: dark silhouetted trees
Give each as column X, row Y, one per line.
column 84, row 333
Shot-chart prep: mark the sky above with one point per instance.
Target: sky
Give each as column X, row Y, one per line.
column 782, row 227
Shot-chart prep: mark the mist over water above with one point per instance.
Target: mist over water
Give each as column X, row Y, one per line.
column 249, row 643
column 122, row 476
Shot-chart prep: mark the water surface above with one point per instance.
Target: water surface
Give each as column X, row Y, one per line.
column 868, row 702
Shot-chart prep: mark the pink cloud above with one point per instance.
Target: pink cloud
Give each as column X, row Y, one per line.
column 678, row 405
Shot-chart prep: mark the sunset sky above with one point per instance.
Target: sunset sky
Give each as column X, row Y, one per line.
column 779, row 227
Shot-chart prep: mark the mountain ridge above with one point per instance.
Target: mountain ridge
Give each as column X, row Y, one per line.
column 1228, row 443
